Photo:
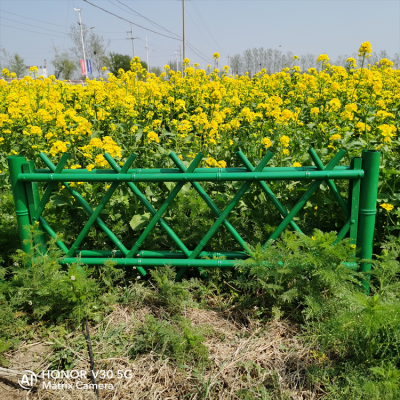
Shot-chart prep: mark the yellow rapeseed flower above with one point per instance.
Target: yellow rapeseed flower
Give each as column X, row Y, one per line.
column 387, row 206
column 152, row 137
column 285, row 140
column 336, row 136
column 266, row 142
column 323, row 58
column 365, row 50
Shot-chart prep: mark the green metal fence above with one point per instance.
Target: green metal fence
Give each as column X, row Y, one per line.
column 359, row 209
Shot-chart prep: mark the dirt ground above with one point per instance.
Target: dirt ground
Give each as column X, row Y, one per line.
column 244, row 355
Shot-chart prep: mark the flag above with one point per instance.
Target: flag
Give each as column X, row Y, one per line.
column 89, row 67
column 83, row 69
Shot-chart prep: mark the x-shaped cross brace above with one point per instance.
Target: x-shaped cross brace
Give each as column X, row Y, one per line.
column 245, row 187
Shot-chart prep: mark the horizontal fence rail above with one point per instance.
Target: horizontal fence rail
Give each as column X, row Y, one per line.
column 359, row 209
column 203, row 177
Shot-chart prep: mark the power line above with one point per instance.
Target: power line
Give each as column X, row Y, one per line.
column 147, row 19
column 109, row 31
column 205, row 25
column 33, row 19
column 27, row 30
column 198, row 28
column 196, row 51
column 142, row 16
column 124, row 19
column 35, row 26
column 66, row 24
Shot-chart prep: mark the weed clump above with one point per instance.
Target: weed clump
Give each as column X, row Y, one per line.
column 355, row 332
column 176, row 339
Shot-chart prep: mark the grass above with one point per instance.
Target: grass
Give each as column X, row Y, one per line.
column 290, row 322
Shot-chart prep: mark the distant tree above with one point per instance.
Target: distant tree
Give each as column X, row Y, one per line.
column 376, row 57
column 75, row 36
column 64, row 64
column 172, row 65
column 396, row 61
column 236, row 64
column 17, row 65
column 256, row 60
column 95, row 47
column 144, row 64
column 287, row 60
column 118, row 61
column 277, row 61
column 156, row 70
column 4, row 58
column 248, row 61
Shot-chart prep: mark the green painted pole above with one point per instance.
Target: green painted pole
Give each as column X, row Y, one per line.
column 177, row 171
column 227, row 210
column 158, row 262
column 20, row 200
column 367, row 212
column 32, row 194
column 194, row 177
column 155, row 262
column 354, row 201
column 160, row 254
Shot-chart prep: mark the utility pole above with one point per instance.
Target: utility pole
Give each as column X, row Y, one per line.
column 176, row 57
column 147, row 57
column 229, row 58
column 180, row 56
column 184, row 40
column 83, row 46
column 132, row 38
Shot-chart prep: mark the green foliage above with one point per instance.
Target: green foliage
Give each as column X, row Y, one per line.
column 41, row 287
column 361, row 326
column 64, row 64
column 17, row 65
column 359, row 382
column 135, row 295
column 357, row 333
column 156, row 70
column 294, row 269
column 117, row 61
column 36, row 287
column 9, row 239
column 179, row 340
column 173, row 296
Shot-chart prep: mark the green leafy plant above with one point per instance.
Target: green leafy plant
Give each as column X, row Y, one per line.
column 295, row 268
column 174, row 296
column 178, row 340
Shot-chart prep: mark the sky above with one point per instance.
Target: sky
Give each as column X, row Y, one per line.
column 31, row 28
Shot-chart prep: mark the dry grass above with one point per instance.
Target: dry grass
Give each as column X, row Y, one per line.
column 244, row 356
